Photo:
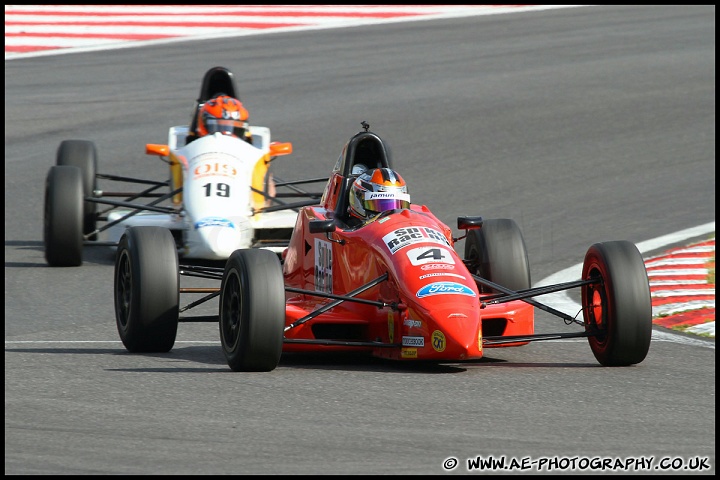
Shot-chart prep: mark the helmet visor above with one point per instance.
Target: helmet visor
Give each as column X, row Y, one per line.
column 382, row 201
column 226, row 127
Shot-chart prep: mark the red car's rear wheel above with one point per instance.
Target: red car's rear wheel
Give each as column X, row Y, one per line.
column 497, row 252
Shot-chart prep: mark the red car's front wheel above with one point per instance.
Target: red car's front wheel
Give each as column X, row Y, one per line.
column 617, row 307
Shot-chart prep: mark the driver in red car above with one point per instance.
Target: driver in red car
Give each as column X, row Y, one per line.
column 376, row 191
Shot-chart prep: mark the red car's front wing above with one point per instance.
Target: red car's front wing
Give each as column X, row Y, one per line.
column 403, row 334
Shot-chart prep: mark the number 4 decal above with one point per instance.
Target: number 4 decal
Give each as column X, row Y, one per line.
column 421, row 255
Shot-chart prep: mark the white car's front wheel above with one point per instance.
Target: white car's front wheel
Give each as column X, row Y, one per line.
column 63, row 216
column 147, row 289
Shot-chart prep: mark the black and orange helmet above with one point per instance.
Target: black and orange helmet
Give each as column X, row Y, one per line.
column 376, row 191
column 223, row 114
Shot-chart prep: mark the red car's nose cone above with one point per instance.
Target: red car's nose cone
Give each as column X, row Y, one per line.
column 451, row 331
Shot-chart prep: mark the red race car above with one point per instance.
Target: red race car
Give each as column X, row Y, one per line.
column 367, row 271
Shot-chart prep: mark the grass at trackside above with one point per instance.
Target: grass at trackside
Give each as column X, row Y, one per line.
column 711, row 268
column 684, row 328
column 710, row 265
column 711, row 272
column 711, row 281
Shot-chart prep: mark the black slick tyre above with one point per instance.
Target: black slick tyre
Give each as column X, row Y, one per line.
column 82, row 154
column 252, row 310
column 497, row 252
column 618, row 309
column 63, row 217
column 147, row 289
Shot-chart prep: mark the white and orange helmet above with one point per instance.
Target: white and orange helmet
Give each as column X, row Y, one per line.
column 376, row 191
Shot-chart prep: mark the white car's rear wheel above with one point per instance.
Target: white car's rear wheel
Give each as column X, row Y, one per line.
column 82, row 154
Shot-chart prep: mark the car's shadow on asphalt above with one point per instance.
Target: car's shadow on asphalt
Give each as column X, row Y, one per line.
column 94, row 254
column 91, row 255
column 179, row 358
column 182, row 359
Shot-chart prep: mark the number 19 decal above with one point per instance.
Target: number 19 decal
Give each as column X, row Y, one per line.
column 222, row 189
column 421, row 255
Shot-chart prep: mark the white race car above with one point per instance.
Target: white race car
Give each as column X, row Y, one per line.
column 220, row 195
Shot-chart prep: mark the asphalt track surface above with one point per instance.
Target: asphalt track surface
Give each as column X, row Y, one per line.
column 583, row 125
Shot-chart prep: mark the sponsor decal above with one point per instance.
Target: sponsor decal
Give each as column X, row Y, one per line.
column 215, row 168
column 423, row 255
column 441, row 274
column 480, row 339
column 383, row 220
column 438, row 341
column 323, row 266
column 206, row 162
column 391, row 327
column 213, row 222
column 444, row 288
column 412, row 323
column 409, row 353
column 437, row 266
column 402, row 237
column 413, row 341
column 457, row 315
column 387, row 195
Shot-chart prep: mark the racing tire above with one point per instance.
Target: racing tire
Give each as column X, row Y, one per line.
column 63, row 217
column 147, row 290
column 252, row 310
column 619, row 307
column 497, row 252
column 82, row 154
